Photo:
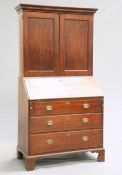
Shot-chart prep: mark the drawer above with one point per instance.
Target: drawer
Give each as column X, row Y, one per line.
column 65, row 122
column 45, row 143
column 65, row 141
column 66, row 107
column 86, row 139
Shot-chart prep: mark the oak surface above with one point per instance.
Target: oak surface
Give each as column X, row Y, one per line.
column 55, row 41
column 60, row 108
column 64, row 141
column 69, row 106
column 53, row 123
column 62, row 87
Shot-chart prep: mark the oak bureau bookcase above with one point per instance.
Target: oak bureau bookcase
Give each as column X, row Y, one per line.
column 60, row 104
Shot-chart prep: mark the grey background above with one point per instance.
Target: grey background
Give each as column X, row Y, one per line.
column 107, row 71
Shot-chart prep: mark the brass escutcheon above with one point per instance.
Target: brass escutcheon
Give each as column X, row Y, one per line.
column 50, row 122
column 49, row 108
column 85, row 138
column 85, row 120
column 86, row 105
column 49, row 142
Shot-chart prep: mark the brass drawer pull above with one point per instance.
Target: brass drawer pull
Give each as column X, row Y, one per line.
column 85, row 138
column 49, row 108
column 49, row 142
column 85, row 120
column 86, row 105
column 50, row 122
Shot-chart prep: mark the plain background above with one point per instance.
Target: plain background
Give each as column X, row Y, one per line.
column 107, row 71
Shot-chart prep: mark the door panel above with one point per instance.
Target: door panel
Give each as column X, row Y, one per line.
column 76, row 44
column 42, row 42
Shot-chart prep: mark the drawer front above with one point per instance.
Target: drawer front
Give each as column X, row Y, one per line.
column 86, row 139
column 65, row 122
column 65, row 141
column 66, row 107
column 47, row 143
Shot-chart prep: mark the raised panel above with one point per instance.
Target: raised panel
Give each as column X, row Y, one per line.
column 42, row 41
column 76, row 41
column 41, row 48
column 76, row 45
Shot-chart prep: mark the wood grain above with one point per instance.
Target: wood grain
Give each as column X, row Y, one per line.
column 76, row 45
column 56, row 44
column 66, row 106
column 29, row 164
column 54, row 9
column 56, row 41
column 23, row 114
column 65, row 122
column 63, row 141
column 41, row 44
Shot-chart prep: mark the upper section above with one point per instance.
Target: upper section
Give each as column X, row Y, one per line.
column 30, row 7
column 61, row 87
column 55, row 41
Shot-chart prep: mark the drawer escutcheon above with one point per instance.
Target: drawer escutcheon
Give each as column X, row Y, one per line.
column 85, row 120
column 85, row 138
column 50, row 141
column 49, row 108
column 50, row 122
column 86, row 105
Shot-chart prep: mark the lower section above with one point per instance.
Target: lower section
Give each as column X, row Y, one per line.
column 65, row 141
column 30, row 160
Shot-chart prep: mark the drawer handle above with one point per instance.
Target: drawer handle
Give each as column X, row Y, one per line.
column 85, row 138
column 85, row 120
column 49, row 108
column 50, row 122
column 86, row 105
column 49, row 142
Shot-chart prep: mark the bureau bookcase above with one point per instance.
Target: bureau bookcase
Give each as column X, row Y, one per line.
column 60, row 103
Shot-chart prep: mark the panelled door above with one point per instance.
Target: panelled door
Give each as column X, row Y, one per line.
column 41, row 44
column 57, row 44
column 76, row 44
